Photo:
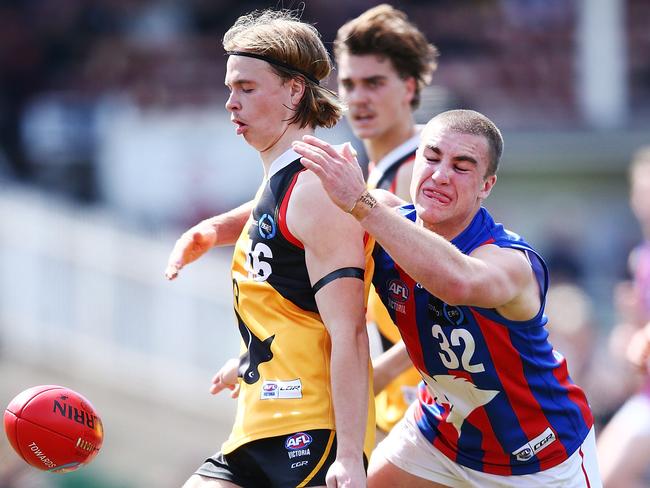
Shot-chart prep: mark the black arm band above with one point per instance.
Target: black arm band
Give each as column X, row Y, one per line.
column 336, row 274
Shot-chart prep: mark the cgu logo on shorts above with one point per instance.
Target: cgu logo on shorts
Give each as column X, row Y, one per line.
column 299, row 440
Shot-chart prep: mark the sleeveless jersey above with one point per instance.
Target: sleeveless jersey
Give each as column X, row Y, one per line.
column 284, row 365
column 496, row 397
column 391, row 403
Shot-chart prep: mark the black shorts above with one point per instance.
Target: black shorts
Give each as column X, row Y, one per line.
column 286, row 461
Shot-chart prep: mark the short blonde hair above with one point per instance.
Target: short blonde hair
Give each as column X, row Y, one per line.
column 282, row 36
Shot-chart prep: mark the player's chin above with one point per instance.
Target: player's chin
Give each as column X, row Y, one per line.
column 428, row 212
column 364, row 131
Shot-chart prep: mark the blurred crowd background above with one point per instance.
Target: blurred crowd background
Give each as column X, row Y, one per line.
column 114, row 139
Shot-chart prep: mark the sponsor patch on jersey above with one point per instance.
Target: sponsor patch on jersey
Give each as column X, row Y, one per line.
column 266, row 227
column 298, row 441
column 542, row 441
column 281, row 389
column 453, row 314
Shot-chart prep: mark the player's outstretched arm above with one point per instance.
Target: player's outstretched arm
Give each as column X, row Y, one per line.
column 333, row 241
column 221, row 230
column 390, row 364
column 227, row 378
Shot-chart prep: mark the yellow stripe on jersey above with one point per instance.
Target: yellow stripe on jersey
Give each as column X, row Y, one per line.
column 321, row 461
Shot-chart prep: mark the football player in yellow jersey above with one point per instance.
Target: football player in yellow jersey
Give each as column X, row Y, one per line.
column 300, row 273
column 383, row 62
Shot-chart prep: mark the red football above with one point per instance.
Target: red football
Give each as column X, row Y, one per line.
column 53, row 428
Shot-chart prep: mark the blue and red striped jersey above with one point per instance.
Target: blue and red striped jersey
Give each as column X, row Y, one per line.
column 496, row 397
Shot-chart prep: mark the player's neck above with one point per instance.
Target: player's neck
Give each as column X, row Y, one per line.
column 378, row 147
column 276, row 148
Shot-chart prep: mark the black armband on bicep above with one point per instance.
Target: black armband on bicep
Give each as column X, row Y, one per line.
column 336, row 274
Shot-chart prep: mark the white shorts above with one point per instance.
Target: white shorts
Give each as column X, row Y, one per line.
column 408, row 449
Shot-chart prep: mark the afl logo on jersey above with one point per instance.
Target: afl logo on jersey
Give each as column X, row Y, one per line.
column 266, row 227
column 398, row 291
column 300, row 440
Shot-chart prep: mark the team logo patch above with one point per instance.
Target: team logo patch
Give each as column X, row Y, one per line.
column 453, row 314
column 281, row 389
column 266, row 227
column 299, row 440
column 398, row 291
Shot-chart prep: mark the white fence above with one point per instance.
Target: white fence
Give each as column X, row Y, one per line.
column 78, row 293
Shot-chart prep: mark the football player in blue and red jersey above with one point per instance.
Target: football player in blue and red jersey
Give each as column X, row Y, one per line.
column 497, row 406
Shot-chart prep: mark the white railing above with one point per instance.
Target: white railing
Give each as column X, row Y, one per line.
column 79, row 294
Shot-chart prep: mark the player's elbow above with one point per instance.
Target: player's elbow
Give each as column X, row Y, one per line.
column 456, row 292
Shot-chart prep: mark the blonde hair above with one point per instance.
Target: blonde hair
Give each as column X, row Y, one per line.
column 282, row 36
column 386, row 32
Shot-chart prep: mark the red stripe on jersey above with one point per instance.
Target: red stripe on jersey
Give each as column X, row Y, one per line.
column 582, row 465
column 282, row 214
column 489, row 241
column 407, row 324
column 509, row 369
column 574, row 393
column 499, row 459
column 441, row 446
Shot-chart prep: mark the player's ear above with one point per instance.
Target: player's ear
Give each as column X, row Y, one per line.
column 297, row 89
column 411, row 85
column 488, row 183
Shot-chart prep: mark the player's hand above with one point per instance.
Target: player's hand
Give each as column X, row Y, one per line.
column 226, row 378
column 189, row 247
column 340, row 173
column 346, row 474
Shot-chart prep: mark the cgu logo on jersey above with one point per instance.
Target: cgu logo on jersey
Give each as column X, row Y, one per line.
column 398, row 291
column 266, row 227
column 299, row 440
column 542, row 441
column 279, row 389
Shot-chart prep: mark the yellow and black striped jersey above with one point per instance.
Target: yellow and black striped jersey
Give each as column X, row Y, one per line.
column 285, row 357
